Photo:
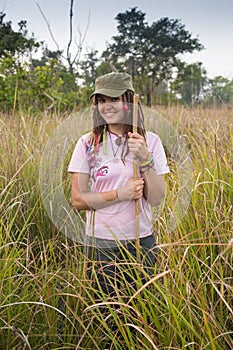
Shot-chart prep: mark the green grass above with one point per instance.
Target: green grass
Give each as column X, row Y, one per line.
column 47, row 300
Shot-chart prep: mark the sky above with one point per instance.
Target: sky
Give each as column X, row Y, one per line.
column 209, row 20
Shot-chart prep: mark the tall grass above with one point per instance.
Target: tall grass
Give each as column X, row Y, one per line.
column 47, row 300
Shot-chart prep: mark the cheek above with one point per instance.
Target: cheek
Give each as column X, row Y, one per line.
column 100, row 109
column 121, row 116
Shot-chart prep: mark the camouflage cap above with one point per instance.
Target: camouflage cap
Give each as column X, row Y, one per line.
column 113, row 84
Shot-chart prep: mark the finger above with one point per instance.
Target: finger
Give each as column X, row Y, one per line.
column 135, row 135
column 139, row 182
column 138, row 190
column 136, row 141
column 133, row 141
column 139, row 194
column 136, row 144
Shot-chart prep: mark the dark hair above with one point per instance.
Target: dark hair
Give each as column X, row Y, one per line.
column 99, row 122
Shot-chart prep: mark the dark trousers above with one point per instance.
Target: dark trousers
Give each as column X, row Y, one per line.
column 117, row 269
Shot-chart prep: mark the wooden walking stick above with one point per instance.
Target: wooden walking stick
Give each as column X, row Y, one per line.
column 135, row 174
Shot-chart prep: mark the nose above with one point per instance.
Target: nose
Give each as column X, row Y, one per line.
column 108, row 103
column 107, row 100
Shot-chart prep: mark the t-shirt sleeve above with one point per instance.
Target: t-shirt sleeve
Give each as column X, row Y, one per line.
column 79, row 161
column 156, row 148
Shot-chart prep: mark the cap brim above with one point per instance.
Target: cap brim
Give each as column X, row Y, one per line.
column 109, row 92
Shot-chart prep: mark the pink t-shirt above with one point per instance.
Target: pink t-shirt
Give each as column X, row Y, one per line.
column 107, row 172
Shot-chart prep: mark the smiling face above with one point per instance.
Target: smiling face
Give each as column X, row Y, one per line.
column 111, row 109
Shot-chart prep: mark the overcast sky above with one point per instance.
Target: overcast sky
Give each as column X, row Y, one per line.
column 210, row 20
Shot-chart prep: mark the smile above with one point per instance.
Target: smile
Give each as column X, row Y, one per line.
column 109, row 114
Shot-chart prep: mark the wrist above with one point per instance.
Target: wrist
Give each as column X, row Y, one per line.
column 119, row 195
column 146, row 161
column 144, row 158
column 147, row 164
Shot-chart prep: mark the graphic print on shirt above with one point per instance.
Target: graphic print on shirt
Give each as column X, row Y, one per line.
column 102, row 171
column 94, row 162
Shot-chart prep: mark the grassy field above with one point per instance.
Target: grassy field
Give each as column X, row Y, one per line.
column 47, row 301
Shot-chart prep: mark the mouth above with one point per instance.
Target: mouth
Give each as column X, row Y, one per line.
column 109, row 114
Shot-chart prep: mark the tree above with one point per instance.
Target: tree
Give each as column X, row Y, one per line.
column 44, row 84
column 221, row 90
column 150, row 51
column 47, row 55
column 88, row 67
column 72, row 60
column 12, row 42
column 190, row 83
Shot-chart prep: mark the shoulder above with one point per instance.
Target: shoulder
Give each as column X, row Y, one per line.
column 151, row 137
column 82, row 144
column 84, row 139
column 154, row 142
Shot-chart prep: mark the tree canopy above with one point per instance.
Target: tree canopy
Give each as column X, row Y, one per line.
column 151, row 51
column 12, row 41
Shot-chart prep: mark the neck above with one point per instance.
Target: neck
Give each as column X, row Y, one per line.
column 116, row 129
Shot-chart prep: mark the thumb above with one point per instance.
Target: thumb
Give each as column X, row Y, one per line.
column 133, row 135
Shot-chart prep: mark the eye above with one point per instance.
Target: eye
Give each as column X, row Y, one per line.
column 115, row 99
column 101, row 100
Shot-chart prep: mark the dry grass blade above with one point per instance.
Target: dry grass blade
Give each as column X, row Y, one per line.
column 20, row 333
column 14, row 176
column 139, row 329
column 41, row 304
column 152, row 280
column 112, row 303
column 221, row 296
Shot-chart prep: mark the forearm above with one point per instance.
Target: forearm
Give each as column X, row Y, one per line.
column 94, row 200
column 82, row 199
column 154, row 187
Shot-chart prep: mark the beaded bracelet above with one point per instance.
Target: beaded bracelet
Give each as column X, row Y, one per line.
column 147, row 165
column 146, row 162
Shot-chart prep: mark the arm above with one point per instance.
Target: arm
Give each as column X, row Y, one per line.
column 83, row 199
column 154, row 185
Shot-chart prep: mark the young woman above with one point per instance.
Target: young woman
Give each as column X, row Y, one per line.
column 105, row 158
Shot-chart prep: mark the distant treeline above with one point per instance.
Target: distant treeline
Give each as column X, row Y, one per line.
column 150, row 53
